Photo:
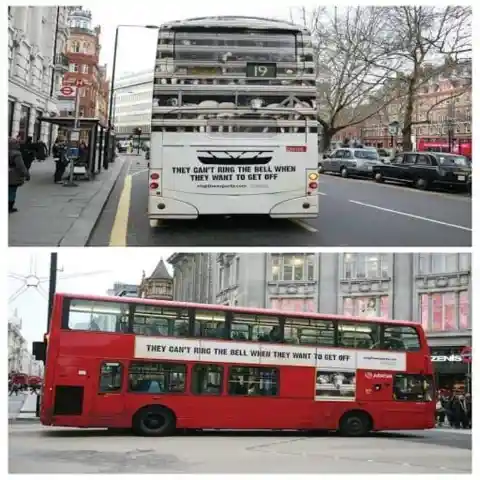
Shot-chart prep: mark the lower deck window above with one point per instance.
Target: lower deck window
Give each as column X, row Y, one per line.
column 207, row 379
column 156, row 377
column 413, row 388
column 253, row 381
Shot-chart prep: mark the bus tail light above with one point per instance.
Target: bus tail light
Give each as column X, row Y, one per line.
column 312, row 182
column 155, row 182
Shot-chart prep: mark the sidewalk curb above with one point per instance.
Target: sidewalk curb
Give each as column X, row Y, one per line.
column 23, row 420
column 81, row 230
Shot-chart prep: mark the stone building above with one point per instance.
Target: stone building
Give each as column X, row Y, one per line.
column 159, row 285
column 36, row 62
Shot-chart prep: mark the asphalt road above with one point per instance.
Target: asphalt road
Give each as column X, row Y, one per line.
column 36, row 449
column 353, row 212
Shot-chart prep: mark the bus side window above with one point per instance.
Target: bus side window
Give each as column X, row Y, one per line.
column 251, row 381
column 156, row 377
column 309, row 332
column 207, row 379
column 111, row 374
column 400, row 338
column 257, row 328
column 210, row 324
column 358, row 335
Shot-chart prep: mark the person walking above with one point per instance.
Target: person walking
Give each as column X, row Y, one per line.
column 28, row 150
column 59, row 151
column 17, row 173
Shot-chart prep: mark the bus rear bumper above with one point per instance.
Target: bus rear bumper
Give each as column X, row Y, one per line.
column 167, row 208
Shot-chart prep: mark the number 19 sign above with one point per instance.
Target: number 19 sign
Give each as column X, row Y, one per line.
column 262, row 70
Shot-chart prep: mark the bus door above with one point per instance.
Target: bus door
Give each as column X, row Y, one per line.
column 108, row 398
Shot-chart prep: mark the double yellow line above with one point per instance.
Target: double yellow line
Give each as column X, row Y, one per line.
column 118, row 236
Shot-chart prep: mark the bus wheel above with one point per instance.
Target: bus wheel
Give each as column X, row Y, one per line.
column 154, row 421
column 355, row 424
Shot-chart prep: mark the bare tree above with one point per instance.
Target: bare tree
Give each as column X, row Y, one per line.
column 430, row 42
column 355, row 64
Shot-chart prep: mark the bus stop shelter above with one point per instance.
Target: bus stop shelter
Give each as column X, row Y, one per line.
column 99, row 154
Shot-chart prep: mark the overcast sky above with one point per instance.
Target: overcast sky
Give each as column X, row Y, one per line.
column 136, row 46
column 101, row 269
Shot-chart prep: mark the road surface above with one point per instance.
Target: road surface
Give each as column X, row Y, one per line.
column 353, row 212
column 36, row 449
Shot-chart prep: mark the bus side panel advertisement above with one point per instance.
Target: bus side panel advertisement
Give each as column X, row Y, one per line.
column 247, row 353
column 336, row 385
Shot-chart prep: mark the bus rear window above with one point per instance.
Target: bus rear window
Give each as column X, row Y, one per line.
column 95, row 316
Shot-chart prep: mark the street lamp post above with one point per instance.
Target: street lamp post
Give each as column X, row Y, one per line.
column 112, row 82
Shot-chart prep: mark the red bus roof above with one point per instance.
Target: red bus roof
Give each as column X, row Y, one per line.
column 257, row 311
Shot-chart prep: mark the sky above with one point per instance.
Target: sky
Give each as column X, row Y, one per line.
column 94, row 270
column 136, row 46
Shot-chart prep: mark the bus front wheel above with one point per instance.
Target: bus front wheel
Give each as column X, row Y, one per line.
column 355, row 424
column 154, row 421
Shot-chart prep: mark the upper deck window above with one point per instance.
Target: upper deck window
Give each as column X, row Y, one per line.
column 96, row 316
column 400, row 338
column 154, row 321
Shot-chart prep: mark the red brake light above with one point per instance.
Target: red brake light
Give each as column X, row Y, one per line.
column 154, row 185
column 154, row 176
column 313, row 185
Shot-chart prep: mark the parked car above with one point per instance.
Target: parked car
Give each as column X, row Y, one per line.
column 427, row 169
column 350, row 161
column 387, row 154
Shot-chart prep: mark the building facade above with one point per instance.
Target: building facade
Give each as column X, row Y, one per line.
column 432, row 289
column 159, row 285
column 132, row 104
column 36, row 62
column 20, row 360
column 83, row 53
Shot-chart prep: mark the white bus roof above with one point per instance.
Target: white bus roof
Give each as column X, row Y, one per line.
column 236, row 21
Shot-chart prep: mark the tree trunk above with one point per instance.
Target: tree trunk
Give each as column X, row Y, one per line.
column 407, row 118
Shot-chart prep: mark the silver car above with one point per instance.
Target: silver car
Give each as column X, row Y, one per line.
column 350, row 161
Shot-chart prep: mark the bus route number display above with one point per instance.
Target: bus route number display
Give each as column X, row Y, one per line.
column 261, row 70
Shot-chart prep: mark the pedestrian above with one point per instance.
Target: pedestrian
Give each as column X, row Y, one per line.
column 59, row 151
column 28, row 151
column 41, row 151
column 17, row 173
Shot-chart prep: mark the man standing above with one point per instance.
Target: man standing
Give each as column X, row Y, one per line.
column 17, row 173
column 28, row 152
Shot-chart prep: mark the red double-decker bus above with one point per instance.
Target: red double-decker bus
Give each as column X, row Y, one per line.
column 157, row 366
column 462, row 147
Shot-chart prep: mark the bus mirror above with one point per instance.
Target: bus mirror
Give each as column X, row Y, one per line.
column 39, row 350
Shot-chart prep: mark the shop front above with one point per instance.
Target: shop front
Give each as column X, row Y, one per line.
column 452, row 367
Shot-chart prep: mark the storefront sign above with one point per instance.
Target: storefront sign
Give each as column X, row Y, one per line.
column 446, row 358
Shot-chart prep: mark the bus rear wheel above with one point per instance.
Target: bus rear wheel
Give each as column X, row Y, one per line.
column 355, row 424
column 154, row 421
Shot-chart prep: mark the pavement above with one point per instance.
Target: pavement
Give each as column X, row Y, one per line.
column 353, row 213
column 22, row 407
column 54, row 215
column 37, row 449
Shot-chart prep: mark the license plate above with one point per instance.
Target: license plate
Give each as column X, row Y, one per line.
column 461, row 178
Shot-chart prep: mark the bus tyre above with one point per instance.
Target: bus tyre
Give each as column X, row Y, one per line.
column 379, row 178
column 154, row 421
column 343, row 172
column 355, row 424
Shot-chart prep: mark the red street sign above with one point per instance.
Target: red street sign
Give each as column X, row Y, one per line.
column 66, row 90
column 466, row 354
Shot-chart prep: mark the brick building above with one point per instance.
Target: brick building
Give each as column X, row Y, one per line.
column 83, row 52
column 450, row 118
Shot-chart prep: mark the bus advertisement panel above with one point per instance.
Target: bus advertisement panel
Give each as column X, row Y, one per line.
column 234, row 126
column 158, row 366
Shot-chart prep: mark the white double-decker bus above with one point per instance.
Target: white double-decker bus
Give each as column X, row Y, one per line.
column 234, row 126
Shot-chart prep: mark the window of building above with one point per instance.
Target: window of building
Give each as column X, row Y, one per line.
column 303, row 331
column 86, row 47
column 365, row 265
column 289, row 304
column 257, row 328
column 367, row 306
column 424, row 303
column 436, row 263
column 293, row 267
column 111, row 374
column 158, row 321
column 75, row 46
column 220, row 278
column 157, row 377
column 96, row 316
column 209, row 324
column 84, row 68
column 73, row 67
column 445, row 311
column 464, row 311
column 413, row 388
column 358, row 335
column 398, row 338
column 24, row 124
column 207, row 379
column 247, row 381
